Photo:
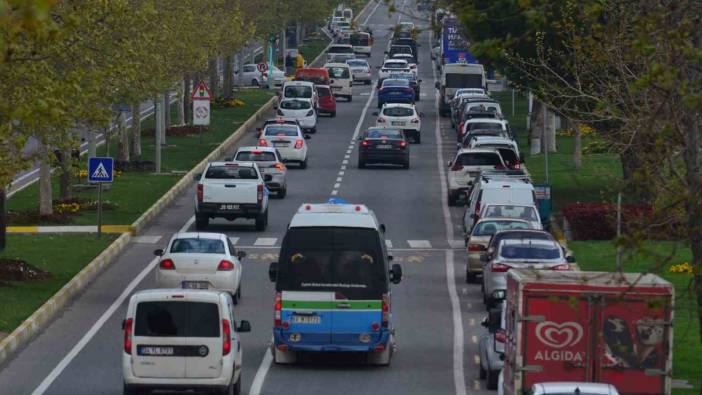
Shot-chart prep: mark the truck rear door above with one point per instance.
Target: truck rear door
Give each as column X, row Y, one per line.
column 161, row 339
column 633, row 353
column 558, row 337
column 230, row 183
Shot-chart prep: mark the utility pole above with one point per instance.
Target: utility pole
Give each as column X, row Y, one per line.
column 544, row 140
column 619, row 231
column 158, row 109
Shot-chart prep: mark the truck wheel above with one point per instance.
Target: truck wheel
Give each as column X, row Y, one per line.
column 281, row 193
column 491, row 379
column 303, row 164
column 262, row 221
column 201, row 222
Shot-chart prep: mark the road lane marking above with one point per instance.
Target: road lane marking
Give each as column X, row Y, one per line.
column 474, row 339
column 345, row 161
column 337, row 185
column 338, row 179
column 419, row 243
column 471, row 322
column 265, row 241
column 234, row 240
column 476, row 385
column 343, row 168
column 334, row 192
column 261, row 373
column 341, row 173
column 388, row 243
column 146, row 239
column 476, row 359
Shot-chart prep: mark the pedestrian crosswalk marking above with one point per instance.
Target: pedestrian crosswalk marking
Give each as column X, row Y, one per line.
column 146, row 239
column 234, row 240
column 265, row 241
column 419, row 243
column 100, row 172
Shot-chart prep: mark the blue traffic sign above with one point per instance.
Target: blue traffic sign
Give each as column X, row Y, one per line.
column 100, row 169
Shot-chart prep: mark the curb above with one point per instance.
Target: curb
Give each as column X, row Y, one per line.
column 40, row 319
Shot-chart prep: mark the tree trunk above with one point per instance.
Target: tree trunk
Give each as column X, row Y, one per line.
column 187, row 106
column 123, row 141
column 213, row 76
column 298, row 33
column 167, row 109
column 227, row 88
column 136, row 130
column 46, row 206
column 536, row 127
column 3, row 219
column 92, row 144
column 181, row 104
column 65, row 192
column 550, row 130
column 578, row 146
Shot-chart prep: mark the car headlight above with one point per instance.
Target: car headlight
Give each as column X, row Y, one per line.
column 310, row 113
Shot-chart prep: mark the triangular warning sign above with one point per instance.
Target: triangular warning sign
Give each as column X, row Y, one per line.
column 201, row 92
column 100, row 172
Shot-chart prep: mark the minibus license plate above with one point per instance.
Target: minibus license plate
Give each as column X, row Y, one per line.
column 306, row 319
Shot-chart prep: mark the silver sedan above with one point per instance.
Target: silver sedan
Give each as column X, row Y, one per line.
column 269, row 162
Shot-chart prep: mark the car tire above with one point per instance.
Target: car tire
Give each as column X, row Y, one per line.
column 303, row 164
column 235, row 298
column 361, row 164
column 283, row 357
column 491, row 379
column 483, row 373
column 418, row 139
column 313, row 130
column 254, row 82
column 333, row 114
column 451, row 199
column 406, row 165
column 385, row 357
column 262, row 221
column 201, row 222
column 238, row 291
column 237, row 386
column 281, row 193
column 470, row 276
column 349, row 98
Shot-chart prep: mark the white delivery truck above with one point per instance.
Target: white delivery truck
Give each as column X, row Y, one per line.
column 455, row 76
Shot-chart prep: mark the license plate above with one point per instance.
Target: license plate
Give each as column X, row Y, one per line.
column 306, row 319
column 195, row 285
column 156, row 351
column 336, row 88
column 398, row 123
column 395, row 93
column 228, row 206
column 383, row 146
column 280, row 143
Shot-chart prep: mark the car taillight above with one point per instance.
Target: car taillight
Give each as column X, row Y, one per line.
column 501, row 336
column 563, row 266
column 225, row 266
column 200, row 192
column 499, row 268
column 309, row 113
column 365, row 143
column 415, row 120
column 381, row 120
column 277, row 311
column 166, row 264
column 279, row 166
column 476, row 247
column 259, row 193
column 128, row 327
column 457, row 167
column 403, row 144
column 517, row 166
column 263, row 143
column 226, row 337
column 298, row 143
column 385, row 318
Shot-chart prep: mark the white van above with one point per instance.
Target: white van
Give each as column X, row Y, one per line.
column 178, row 339
column 340, row 52
column 497, row 191
column 341, row 79
column 299, row 90
column 455, row 76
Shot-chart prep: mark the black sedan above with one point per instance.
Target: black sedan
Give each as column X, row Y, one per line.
column 383, row 146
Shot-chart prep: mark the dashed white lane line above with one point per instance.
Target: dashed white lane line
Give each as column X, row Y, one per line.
column 61, row 366
column 388, row 243
column 337, row 185
column 347, row 156
column 265, row 241
column 338, row 179
column 341, row 173
column 345, row 161
column 474, row 339
column 419, row 243
column 343, row 168
column 334, row 192
column 476, row 359
column 146, row 239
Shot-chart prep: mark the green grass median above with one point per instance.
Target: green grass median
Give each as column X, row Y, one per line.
column 62, row 256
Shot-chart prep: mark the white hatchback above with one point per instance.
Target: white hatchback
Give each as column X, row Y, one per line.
column 288, row 140
column 301, row 110
column 200, row 261
column 392, row 66
column 176, row 339
column 401, row 116
column 409, row 59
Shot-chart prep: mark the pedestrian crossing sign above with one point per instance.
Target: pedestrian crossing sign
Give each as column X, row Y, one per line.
column 100, row 169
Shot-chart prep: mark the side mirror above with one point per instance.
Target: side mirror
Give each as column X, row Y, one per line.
column 267, row 177
column 331, row 82
column 437, row 85
column 244, row 326
column 307, row 137
column 419, row 81
column 485, row 322
column 197, row 176
column 390, row 257
column 241, row 254
column 494, row 320
column 449, row 163
column 158, row 252
column 570, row 259
column 385, row 52
column 396, row 273
column 382, row 228
column 273, row 272
column 421, row 115
column 375, row 113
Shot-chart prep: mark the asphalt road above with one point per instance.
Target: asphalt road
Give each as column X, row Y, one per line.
column 436, row 314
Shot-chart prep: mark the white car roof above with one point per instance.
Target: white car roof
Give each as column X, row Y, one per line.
column 177, row 294
column 337, row 64
column 307, row 99
column 486, row 120
column 494, row 140
column 334, row 215
column 493, row 219
column 476, row 150
column 255, row 148
column 304, row 83
column 238, row 163
column 404, row 105
column 395, row 61
column 499, row 183
column 528, row 242
column 340, row 46
column 199, row 235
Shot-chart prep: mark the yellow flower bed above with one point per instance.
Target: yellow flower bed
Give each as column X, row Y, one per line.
column 681, row 268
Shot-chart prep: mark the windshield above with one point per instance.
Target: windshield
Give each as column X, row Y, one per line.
column 362, row 40
column 298, row 91
column 314, row 77
column 395, row 65
column 256, row 156
column 197, row 246
column 280, row 130
column 400, row 83
column 356, row 63
column 397, row 49
column 483, row 125
column 464, row 80
column 526, row 213
column 398, row 112
column 338, row 72
column 176, row 319
column 231, row 172
column 348, row 261
column 295, row 104
column 489, row 228
column 340, row 49
column 479, row 159
column 384, row 133
column 529, row 251
column 508, row 155
column 323, row 92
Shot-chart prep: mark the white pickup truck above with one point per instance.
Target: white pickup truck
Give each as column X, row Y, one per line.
column 231, row 190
